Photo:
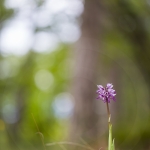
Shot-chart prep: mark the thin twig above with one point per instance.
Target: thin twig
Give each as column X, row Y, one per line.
column 84, row 142
column 41, row 135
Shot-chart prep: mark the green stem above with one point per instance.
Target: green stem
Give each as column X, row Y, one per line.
column 110, row 137
column 110, row 128
column 108, row 111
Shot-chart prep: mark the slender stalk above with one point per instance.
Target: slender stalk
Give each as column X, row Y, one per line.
column 108, row 112
column 110, row 127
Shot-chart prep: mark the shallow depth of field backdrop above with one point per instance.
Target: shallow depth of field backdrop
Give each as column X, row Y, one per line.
column 53, row 53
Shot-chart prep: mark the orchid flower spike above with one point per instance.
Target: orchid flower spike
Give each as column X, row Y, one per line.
column 106, row 93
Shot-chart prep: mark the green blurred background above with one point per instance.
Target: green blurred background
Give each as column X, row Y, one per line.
column 41, row 55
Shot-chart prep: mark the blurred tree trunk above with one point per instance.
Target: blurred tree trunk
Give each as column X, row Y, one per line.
column 85, row 121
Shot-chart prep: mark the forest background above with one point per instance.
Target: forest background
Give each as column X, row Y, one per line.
column 54, row 53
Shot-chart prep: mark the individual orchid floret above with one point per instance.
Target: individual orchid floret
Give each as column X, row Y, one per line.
column 106, row 93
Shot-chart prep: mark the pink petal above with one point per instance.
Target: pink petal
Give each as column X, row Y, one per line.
column 109, row 85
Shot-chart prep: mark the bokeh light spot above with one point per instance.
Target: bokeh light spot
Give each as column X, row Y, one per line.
column 10, row 113
column 44, row 80
column 63, row 105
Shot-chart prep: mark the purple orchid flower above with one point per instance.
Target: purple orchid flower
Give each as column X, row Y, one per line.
column 106, row 93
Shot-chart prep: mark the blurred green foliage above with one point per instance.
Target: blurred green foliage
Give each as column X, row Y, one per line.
column 19, row 91
column 4, row 12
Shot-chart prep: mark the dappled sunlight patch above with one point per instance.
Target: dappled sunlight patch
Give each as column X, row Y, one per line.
column 40, row 26
column 16, row 37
